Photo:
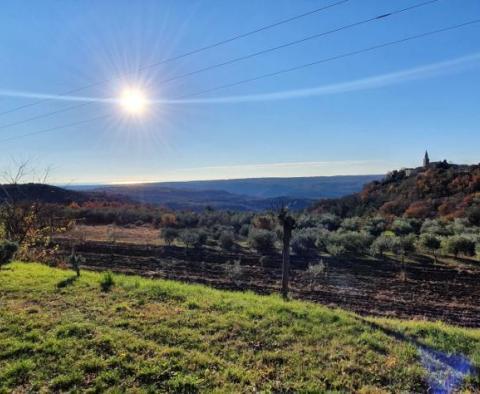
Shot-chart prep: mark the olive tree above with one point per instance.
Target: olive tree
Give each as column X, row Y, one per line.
column 430, row 243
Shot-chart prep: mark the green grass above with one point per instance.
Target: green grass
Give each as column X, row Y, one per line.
column 62, row 334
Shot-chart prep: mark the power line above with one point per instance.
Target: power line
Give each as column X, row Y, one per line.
column 299, row 41
column 252, row 55
column 46, row 115
column 50, row 129
column 344, row 55
column 192, row 52
column 336, row 57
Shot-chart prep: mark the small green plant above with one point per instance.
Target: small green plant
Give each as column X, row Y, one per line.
column 234, row 271
column 107, row 282
column 75, row 260
column 316, row 270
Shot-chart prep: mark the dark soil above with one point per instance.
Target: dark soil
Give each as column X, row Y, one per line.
column 422, row 290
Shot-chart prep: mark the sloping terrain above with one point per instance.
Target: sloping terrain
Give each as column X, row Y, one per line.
column 441, row 190
column 420, row 290
column 59, row 333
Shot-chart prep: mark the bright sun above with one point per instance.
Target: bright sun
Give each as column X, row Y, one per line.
column 133, row 101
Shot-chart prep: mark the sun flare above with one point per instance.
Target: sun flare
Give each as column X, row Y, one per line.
column 133, row 101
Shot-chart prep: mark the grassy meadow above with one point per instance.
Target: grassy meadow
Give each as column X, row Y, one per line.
column 125, row 333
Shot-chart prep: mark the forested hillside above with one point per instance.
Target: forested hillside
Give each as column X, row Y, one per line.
column 441, row 190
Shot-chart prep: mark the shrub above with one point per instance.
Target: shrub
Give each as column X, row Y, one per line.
column 430, row 243
column 75, row 260
column 329, row 221
column 473, row 215
column 202, row 238
column 189, row 238
column 315, row 270
column 303, row 243
column 234, row 271
column 336, row 249
column 169, row 235
column 380, row 245
column 458, row 244
column 402, row 227
column 7, row 251
column 433, row 226
column 402, row 246
column 375, row 226
column 262, row 240
column 244, row 230
column 107, row 282
column 263, row 222
column 351, row 242
column 322, row 240
column 352, row 224
column 227, row 240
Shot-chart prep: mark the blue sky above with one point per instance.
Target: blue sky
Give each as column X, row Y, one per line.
column 51, row 47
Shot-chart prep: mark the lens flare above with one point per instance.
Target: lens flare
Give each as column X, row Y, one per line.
column 133, row 101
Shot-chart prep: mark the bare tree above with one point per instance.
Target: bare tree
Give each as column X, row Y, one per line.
column 25, row 219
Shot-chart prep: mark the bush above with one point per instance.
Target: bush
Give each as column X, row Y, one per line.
column 315, row 270
column 352, row 224
column 75, row 260
column 351, row 242
column 429, row 242
column 189, row 238
column 336, row 249
column 303, row 243
column 244, row 230
column 329, row 221
column 402, row 246
column 263, row 222
column 169, row 235
column 402, row 227
column 433, row 226
column 7, row 251
column 473, row 215
column 380, row 245
column 234, row 271
column 262, row 240
column 375, row 226
column 458, row 244
column 227, row 240
column 201, row 238
column 107, row 282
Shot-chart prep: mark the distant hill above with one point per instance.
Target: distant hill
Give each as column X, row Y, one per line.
column 30, row 192
column 179, row 199
column 439, row 190
column 240, row 194
column 298, row 187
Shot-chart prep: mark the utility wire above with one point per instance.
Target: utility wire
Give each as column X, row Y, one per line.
column 249, row 56
column 192, row 52
column 329, row 59
column 244, row 81
column 296, row 42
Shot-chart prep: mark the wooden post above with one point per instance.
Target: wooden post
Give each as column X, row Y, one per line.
column 288, row 224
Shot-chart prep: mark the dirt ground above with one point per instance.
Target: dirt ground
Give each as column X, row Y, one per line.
column 422, row 290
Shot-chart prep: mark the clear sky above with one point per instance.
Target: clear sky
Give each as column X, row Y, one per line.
column 357, row 115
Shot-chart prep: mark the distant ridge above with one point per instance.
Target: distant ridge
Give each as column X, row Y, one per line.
column 438, row 189
column 240, row 194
